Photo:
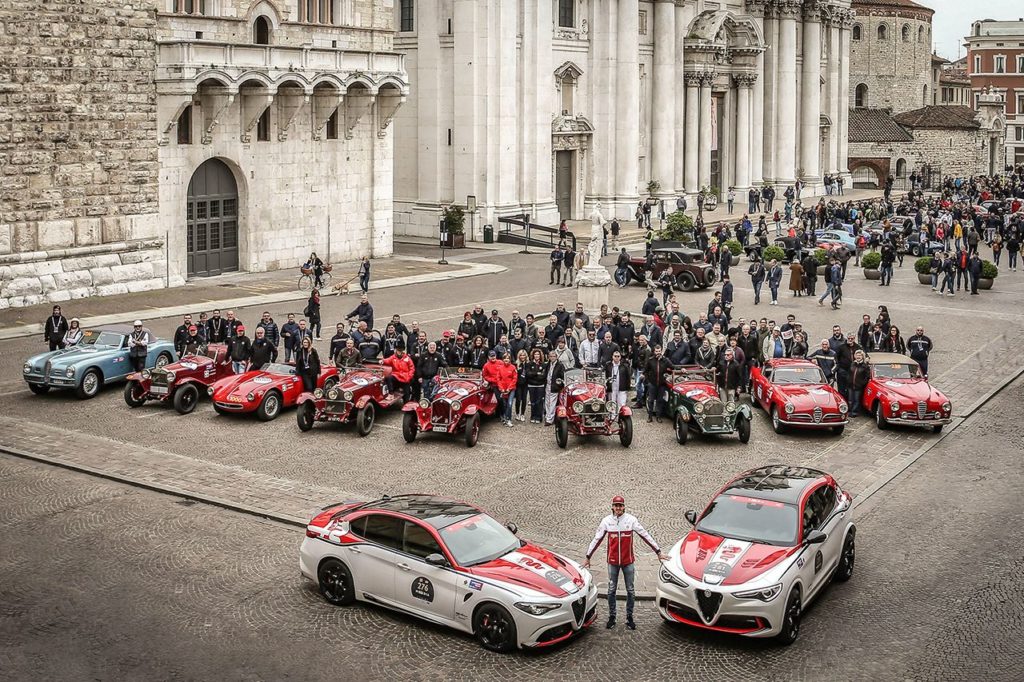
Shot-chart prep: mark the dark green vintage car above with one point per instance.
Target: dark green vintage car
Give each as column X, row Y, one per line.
column 694, row 403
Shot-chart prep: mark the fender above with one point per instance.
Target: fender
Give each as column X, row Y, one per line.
column 411, row 406
column 146, row 384
column 745, row 410
column 305, row 397
column 683, row 413
column 190, row 380
column 561, row 412
column 361, row 403
column 470, row 411
column 625, row 411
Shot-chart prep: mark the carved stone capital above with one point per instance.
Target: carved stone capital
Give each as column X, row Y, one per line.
column 814, row 10
column 744, row 80
column 788, row 9
column 693, row 78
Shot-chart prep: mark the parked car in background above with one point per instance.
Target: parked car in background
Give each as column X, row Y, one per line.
column 686, row 265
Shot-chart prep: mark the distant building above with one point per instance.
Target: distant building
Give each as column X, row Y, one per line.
column 949, row 85
column 995, row 61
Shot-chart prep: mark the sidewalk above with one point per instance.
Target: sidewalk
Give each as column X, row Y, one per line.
column 235, row 290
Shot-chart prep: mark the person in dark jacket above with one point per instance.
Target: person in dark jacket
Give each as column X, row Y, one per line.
column 860, row 373
column 678, row 350
column 650, row 305
column 864, row 331
column 369, row 347
column 216, row 328
column 974, row 270
column 54, row 329
column 270, row 329
column 621, row 269
column 554, row 382
column 262, row 351
column 427, row 369
column 181, row 335
column 478, row 353
column 556, row 266
column 194, row 344
column 494, row 329
column 389, row 342
column 757, row 274
column 774, row 280
column 844, row 360
column 730, row 376
column 617, row 379
column 877, row 341
column 825, row 358
column 364, row 276
column 239, row 349
column 347, row 355
column 363, row 312
column 894, row 341
column 654, row 376
column 312, row 313
column 338, row 340
column 233, row 323
column 920, row 346
column 307, row 365
column 290, row 336
column 536, row 377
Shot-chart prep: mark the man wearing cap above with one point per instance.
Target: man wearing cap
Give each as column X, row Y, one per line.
column 55, row 328
column 138, row 346
column 773, row 346
column 181, row 335
column 620, row 527
column 194, row 344
column 402, row 372
column 239, row 349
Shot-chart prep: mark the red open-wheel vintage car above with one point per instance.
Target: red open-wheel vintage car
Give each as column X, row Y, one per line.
column 462, row 398
column 181, row 383
column 357, row 396
column 584, row 409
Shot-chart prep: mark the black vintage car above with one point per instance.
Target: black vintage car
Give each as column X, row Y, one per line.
column 686, row 265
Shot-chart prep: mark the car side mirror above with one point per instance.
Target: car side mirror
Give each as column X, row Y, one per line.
column 512, row 528
column 815, row 537
column 436, row 559
column 691, row 516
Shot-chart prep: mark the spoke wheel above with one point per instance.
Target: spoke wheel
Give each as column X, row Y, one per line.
column 134, row 394
column 186, row 398
column 365, row 418
column 682, row 430
column 163, row 360
column 305, row 415
column 846, row 560
column 472, row 430
column 305, row 282
column 625, row 431
column 494, row 628
column 270, row 407
column 335, row 582
column 743, row 428
column 90, row 385
column 409, row 426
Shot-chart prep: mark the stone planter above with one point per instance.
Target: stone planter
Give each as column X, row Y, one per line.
column 924, row 279
column 455, row 241
column 872, row 273
column 735, row 259
column 985, row 283
column 821, row 270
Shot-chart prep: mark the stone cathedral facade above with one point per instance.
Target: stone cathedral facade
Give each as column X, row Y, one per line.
column 548, row 107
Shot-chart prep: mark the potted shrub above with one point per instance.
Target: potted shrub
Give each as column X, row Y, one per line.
column 678, row 228
column 870, row 263
column 455, row 219
column 923, row 267
column 821, row 258
column 735, row 248
column 653, row 187
column 774, row 253
column 989, row 272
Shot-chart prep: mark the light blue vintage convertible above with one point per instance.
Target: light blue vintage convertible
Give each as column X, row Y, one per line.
column 100, row 358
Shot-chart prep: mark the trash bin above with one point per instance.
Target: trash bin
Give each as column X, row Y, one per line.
column 488, row 234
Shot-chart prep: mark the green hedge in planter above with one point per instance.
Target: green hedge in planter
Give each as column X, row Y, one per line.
column 922, row 266
column 774, row 253
column 821, row 256
column 871, row 261
column 734, row 246
column 678, row 228
column 989, row 269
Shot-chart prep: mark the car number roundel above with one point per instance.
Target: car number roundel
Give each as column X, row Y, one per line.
column 423, row 589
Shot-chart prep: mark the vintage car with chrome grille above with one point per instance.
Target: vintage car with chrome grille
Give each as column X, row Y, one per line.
column 795, row 393
column 264, row 391
column 897, row 393
column 182, row 382
column 763, row 549
column 461, row 400
column 694, row 404
column 357, row 396
column 584, row 409
column 686, row 265
column 100, row 358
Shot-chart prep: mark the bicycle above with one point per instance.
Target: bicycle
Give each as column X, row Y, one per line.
column 306, row 279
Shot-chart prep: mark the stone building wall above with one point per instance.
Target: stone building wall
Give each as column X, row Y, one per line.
column 897, row 72
column 955, row 152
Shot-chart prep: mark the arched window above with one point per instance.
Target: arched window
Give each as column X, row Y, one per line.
column 883, row 32
column 920, row 34
column 568, row 87
column 261, row 31
column 860, row 97
column 924, row 96
column 901, row 168
column 566, row 13
column 856, row 31
column 906, row 33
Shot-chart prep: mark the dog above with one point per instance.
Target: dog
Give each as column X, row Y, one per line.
column 342, row 288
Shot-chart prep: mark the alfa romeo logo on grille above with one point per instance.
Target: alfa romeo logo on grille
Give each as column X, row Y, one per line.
column 707, row 593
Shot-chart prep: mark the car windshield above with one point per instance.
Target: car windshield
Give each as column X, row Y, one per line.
column 786, row 376
column 478, row 539
column 93, row 337
column 459, row 373
column 361, row 370
column 751, row 519
column 896, row 370
column 278, row 368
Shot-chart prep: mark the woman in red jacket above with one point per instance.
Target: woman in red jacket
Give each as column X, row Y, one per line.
column 502, row 376
column 402, row 372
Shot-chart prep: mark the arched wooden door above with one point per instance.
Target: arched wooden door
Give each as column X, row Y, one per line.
column 212, row 220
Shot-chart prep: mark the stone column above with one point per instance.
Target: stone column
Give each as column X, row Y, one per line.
column 844, row 95
column 469, row 133
column 427, row 94
column 536, row 106
column 678, row 85
column 785, row 133
column 833, row 94
column 627, row 109
column 704, row 143
column 663, row 137
column 744, row 85
column 691, row 127
column 768, row 90
column 602, row 80
column 502, row 109
column 810, row 94
column 757, row 126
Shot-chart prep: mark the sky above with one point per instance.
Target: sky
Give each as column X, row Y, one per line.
column 953, row 20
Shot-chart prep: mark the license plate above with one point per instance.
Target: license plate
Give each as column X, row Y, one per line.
column 158, row 390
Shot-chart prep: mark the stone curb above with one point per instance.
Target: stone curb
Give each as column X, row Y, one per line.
column 471, row 270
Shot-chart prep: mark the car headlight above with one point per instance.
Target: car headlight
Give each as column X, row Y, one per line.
column 27, row 369
column 612, row 406
column 424, row 403
column 946, row 407
column 764, row 594
column 894, row 406
column 698, row 408
column 318, row 393
column 347, row 396
column 69, row 372
column 843, row 408
column 251, row 397
column 456, row 405
column 577, row 408
column 789, row 408
column 332, row 394
column 209, row 391
column 170, row 377
column 146, row 374
column 668, row 576
column 536, row 608
column 730, row 406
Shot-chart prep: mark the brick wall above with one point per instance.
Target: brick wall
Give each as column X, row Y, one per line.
column 77, row 118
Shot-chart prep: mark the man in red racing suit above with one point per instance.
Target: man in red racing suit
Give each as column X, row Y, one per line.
column 620, row 528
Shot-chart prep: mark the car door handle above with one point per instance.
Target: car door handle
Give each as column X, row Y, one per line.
column 355, row 550
column 404, row 567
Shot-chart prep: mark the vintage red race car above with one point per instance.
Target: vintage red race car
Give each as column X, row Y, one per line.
column 462, row 398
column 357, row 396
column 898, row 393
column 584, row 409
column 796, row 393
column 180, row 382
column 264, row 391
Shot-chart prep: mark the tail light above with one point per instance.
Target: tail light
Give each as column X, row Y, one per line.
column 310, row 533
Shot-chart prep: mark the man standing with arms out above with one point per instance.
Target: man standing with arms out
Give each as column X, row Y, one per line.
column 556, row 266
column 920, row 346
column 620, row 528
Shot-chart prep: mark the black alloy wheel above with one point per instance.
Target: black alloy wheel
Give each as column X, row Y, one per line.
column 335, row 582
column 494, row 628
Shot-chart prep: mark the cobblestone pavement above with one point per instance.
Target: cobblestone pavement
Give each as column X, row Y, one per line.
column 104, row 581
